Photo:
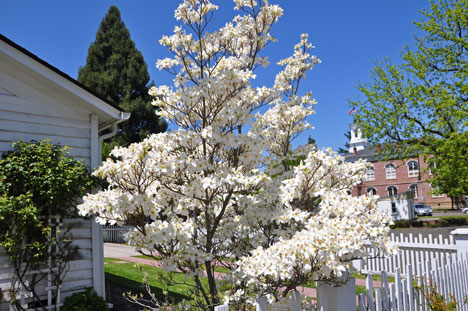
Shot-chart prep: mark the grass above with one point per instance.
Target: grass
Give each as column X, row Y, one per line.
column 375, row 277
column 148, row 257
column 219, row 269
column 109, row 259
column 129, row 275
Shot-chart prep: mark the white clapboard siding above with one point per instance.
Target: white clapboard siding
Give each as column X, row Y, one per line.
column 34, row 89
column 40, row 118
column 75, row 152
column 24, row 106
column 7, row 136
column 35, row 115
column 44, row 129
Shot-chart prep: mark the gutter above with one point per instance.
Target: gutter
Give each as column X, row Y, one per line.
column 123, row 116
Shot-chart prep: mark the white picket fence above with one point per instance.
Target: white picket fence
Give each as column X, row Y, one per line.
column 450, row 280
column 399, row 295
column 423, row 260
column 114, row 233
column 413, row 250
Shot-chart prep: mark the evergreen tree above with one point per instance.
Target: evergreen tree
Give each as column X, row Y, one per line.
column 116, row 70
column 345, row 149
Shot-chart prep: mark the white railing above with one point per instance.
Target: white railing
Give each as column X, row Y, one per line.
column 450, row 280
column 425, row 261
column 413, row 250
column 114, row 233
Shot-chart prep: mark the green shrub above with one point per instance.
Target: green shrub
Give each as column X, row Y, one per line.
column 85, row 301
column 443, row 221
column 38, row 182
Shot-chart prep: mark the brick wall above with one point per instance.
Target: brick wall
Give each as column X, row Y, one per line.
column 403, row 182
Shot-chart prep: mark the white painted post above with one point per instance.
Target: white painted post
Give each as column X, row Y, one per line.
column 461, row 241
column 370, row 293
column 295, row 301
column 222, row 308
column 262, row 304
column 327, row 296
column 358, row 264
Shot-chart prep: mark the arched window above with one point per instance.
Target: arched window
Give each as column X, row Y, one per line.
column 371, row 191
column 370, row 174
column 392, row 190
column 390, row 171
column 413, row 169
column 414, row 188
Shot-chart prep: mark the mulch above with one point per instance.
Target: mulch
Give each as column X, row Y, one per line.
column 115, row 296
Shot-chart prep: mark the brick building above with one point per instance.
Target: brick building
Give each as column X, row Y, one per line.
column 394, row 176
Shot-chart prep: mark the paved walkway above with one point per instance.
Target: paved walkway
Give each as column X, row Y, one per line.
column 125, row 253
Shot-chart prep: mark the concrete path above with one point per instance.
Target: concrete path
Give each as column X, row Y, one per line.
column 125, row 253
column 119, row 250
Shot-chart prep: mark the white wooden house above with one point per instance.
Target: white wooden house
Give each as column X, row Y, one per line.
column 39, row 101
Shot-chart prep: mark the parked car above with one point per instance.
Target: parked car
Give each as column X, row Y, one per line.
column 465, row 210
column 422, row 210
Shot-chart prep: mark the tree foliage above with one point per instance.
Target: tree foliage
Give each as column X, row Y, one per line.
column 414, row 107
column 450, row 167
column 116, row 70
column 227, row 182
column 345, row 149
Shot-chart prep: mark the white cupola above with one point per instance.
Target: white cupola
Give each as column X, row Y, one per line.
column 356, row 141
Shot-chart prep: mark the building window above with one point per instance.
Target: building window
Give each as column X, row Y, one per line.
column 390, row 171
column 414, row 188
column 392, row 190
column 370, row 174
column 413, row 169
column 371, row 191
column 435, row 192
column 394, row 209
column 431, row 166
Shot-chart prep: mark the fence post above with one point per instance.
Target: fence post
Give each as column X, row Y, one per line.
column 358, row 264
column 327, row 295
column 295, row 301
column 461, row 241
column 262, row 304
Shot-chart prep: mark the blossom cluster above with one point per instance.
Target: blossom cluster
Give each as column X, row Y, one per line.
column 227, row 182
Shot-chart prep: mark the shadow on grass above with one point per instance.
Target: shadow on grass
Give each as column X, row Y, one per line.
column 137, row 288
column 442, row 221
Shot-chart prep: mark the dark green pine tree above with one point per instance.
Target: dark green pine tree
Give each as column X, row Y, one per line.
column 116, row 70
column 344, row 150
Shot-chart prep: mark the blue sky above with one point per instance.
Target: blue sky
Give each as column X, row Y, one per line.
column 348, row 35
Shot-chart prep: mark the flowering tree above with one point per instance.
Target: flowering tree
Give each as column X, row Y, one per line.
column 227, row 182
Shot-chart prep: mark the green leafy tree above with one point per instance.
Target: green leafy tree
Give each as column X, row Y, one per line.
column 116, row 70
column 450, row 168
column 416, row 106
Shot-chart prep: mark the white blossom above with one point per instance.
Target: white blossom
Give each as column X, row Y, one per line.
column 227, row 182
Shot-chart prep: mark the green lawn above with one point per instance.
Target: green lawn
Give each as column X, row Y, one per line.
column 129, row 275
column 375, row 277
